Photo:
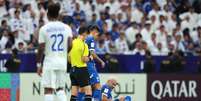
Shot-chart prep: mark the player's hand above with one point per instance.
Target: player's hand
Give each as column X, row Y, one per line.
column 122, row 98
column 102, row 64
column 39, row 71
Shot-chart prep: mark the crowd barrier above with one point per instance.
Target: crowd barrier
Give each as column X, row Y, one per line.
column 141, row 87
column 127, row 63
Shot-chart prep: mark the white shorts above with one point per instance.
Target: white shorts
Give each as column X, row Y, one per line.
column 54, row 79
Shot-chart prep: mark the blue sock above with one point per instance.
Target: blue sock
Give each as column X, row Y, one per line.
column 81, row 96
column 97, row 95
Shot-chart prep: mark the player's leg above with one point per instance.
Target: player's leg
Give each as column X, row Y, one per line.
column 95, row 82
column 81, row 94
column 74, row 83
column 48, row 77
column 60, row 83
column 96, row 91
column 74, row 91
column 84, row 83
column 49, row 94
column 88, row 93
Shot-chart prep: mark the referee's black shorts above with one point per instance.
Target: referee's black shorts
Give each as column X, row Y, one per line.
column 79, row 76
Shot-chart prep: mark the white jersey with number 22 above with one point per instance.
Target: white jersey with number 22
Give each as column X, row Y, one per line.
column 55, row 35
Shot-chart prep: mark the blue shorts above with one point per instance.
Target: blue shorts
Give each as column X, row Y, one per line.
column 93, row 74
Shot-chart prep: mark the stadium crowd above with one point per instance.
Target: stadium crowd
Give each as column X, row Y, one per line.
column 126, row 26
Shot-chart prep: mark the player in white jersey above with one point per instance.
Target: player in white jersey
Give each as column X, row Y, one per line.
column 54, row 41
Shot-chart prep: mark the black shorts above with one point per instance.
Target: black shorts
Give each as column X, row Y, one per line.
column 79, row 77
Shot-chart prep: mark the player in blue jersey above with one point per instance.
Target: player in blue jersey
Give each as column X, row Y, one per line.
column 106, row 91
column 94, row 78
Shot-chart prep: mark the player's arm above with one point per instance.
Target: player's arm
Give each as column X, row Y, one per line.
column 41, row 49
column 105, row 95
column 97, row 58
column 69, row 43
column 70, row 39
column 69, row 48
column 104, row 98
column 85, row 57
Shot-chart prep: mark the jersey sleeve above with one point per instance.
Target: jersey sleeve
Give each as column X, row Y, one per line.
column 41, row 36
column 86, row 50
column 70, row 32
column 106, row 92
column 91, row 43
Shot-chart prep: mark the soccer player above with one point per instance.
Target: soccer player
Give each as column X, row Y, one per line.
column 54, row 42
column 79, row 74
column 94, row 78
column 106, row 91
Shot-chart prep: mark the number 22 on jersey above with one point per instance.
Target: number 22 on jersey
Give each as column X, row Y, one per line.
column 57, row 44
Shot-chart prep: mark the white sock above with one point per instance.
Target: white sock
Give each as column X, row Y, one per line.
column 61, row 95
column 49, row 97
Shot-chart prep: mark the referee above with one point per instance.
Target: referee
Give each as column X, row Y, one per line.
column 79, row 75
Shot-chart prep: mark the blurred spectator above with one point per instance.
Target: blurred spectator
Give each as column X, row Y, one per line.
column 182, row 7
column 101, row 49
column 171, row 24
column 146, row 31
column 17, row 24
column 130, row 33
column 160, row 50
column 188, row 43
column 109, row 44
column 101, row 20
column 3, row 9
column 121, row 44
column 79, row 12
column 139, row 49
column 138, row 38
column 154, row 11
column 161, row 36
column 162, row 17
column 7, row 49
column 178, row 43
column 152, row 43
column 145, row 46
column 93, row 19
column 4, row 39
column 114, row 32
column 13, row 63
column 149, row 63
column 19, row 43
column 137, row 15
column 112, row 63
column 196, row 6
column 4, row 26
column 21, row 47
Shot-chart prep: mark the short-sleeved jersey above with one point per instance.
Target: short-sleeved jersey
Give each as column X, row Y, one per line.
column 90, row 41
column 55, row 36
column 106, row 91
column 79, row 49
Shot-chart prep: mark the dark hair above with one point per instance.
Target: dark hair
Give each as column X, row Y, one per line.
column 53, row 10
column 3, row 21
column 138, row 35
column 93, row 27
column 16, row 11
column 82, row 30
